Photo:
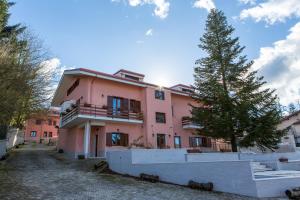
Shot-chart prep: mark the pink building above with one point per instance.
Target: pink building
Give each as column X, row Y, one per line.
column 42, row 127
column 102, row 112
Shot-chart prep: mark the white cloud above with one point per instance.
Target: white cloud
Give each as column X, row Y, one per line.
column 206, row 4
column 251, row 2
column 149, row 32
column 280, row 64
column 161, row 6
column 273, row 11
column 134, row 2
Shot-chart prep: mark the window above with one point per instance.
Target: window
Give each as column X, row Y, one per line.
column 49, row 122
column 135, row 106
column 38, row 122
column 161, row 141
column 54, row 123
column 116, row 105
column 50, row 134
column 177, row 142
column 160, row 117
column 116, row 139
column 33, row 134
column 132, row 77
column 200, row 142
column 72, row 88
column 45, row 134
column 195, row 141
column 159, row 94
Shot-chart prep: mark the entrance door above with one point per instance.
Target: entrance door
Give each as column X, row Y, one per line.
column 161, row 141
column 96, row 145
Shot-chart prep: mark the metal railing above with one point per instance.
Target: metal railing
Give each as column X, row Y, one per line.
column 98, row 111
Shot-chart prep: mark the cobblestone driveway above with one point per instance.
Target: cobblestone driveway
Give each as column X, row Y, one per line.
column 40, row 173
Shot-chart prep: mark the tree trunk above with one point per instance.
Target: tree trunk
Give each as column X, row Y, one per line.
column 233, row 144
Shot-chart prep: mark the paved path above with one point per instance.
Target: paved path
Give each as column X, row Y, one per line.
column 40, row 173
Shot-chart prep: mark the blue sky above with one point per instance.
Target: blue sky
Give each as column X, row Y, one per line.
column 159, row 37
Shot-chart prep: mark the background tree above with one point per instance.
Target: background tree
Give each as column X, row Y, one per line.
column 25, row 79
column 235, row 105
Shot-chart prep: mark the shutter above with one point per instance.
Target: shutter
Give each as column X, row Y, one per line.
column 109, row 105
column 109, row 101
column 108, row 139
column 125, row 139
column 137, row 106
column 204, row 142
column 208, row 142
column 125, row 105
column 191, row 142
column 124, row 108
column 132, row 105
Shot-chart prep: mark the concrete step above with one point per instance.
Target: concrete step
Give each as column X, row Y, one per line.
column 258, row 167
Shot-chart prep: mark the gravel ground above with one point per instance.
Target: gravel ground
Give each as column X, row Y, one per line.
column 38, row 172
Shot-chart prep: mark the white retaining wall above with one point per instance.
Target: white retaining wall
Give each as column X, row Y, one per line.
column 224, row 170
column 269, row 156
column 206, row 157
column 227, row 176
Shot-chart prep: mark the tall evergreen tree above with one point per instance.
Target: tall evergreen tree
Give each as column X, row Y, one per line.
column 235, row 105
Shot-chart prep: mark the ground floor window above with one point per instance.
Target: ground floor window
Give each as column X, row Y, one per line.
column 200, row 141
column 33, row 134
column 116, row 139
column 195, row 141
column 177, row 142
column 50, row 134
column 45, row 134
column 161, row 141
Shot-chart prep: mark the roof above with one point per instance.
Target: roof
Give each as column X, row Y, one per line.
column 129, row 72
column 101, row 75
column 290, row 115
column 182, row 85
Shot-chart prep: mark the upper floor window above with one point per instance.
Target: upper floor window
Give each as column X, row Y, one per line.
column 160, row 117
column 33, row 134
column 73, row 86
column 54, row 123
column 159, row 94
column 50, row 134
column 45, row 134
column 135, row 106
column 38, row 122
column 49, row 122
column 132, row 77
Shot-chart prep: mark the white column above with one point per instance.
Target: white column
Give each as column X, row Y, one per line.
column 86, row 144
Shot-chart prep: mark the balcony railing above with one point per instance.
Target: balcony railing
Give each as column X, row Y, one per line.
column 188, row 123
column 98, row 111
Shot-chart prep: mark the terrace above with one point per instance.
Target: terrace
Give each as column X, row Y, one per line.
column 78, row 113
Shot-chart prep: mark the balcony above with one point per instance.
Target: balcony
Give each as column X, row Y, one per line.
column 187, row 123
column 79, row 113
